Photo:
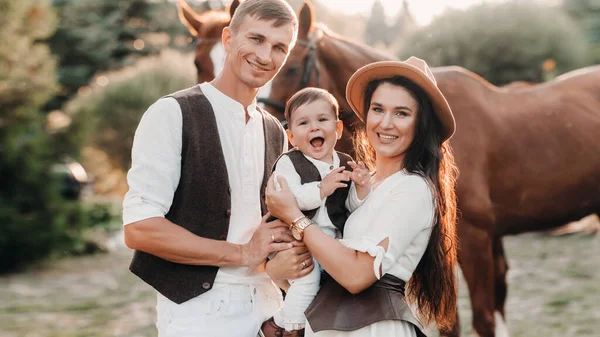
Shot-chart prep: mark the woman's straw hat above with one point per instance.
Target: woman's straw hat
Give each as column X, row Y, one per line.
column 415, row 70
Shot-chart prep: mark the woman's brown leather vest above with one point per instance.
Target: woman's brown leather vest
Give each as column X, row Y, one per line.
column 335, row 308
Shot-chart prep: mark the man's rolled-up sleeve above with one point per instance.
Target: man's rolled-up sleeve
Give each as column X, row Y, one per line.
column 155, row 162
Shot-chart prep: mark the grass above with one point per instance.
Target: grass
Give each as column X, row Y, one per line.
column 554, row 290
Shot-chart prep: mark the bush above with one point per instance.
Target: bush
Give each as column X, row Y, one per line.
column 106, row 117
column 587, row 14
column 96, row 36
column 503, row 43
column 35, row 221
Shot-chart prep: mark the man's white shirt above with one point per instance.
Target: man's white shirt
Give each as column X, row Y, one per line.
column 156, row 168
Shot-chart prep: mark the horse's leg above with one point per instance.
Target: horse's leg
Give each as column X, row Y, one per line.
column 500, row 270
column 477, row 263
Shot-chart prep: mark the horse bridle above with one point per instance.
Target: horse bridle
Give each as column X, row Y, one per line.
column 310, row 62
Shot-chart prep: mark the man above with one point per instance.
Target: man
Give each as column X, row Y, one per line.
column 201, row 158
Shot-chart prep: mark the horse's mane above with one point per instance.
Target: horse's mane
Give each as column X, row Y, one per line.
column 453, row 72
column 353, row 47
column 371, row 54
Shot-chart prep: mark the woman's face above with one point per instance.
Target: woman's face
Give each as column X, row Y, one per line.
column 391, row 121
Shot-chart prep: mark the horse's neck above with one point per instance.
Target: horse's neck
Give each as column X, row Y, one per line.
column 341, row 58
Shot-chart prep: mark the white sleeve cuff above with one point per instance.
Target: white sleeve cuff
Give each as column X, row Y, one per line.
column 136, row 211
column 371, row 247
column 352, row 201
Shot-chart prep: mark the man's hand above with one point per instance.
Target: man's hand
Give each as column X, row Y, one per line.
column 290, row 264
column 333, row 181
column 269, row 237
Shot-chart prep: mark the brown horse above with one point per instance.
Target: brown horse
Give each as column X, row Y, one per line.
column 528, row 157
column 518, row 85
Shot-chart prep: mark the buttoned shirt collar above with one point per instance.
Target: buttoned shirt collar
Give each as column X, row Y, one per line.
column 226, row 102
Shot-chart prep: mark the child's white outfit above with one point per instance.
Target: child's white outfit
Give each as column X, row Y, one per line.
column 297, row 169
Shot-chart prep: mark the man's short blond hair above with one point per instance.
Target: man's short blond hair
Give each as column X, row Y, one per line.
column 268, row 10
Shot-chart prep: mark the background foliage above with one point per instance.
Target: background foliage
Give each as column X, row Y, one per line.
column 95, row 36
column 35, row 220
column 587, row 15
column 107, row 117
column 503, row 42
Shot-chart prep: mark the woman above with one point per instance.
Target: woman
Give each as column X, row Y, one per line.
column 405, row 231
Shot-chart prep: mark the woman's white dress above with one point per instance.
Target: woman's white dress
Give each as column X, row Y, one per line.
column 401, row 208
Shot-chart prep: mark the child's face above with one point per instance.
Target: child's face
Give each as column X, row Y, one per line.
column 314, row 130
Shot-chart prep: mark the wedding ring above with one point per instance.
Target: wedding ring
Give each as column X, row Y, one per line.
column 272, row 237
column 303, row 264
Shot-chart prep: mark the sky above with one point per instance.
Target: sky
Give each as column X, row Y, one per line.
column 423, row 10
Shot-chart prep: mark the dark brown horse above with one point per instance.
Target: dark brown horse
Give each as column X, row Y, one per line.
column 528, row 158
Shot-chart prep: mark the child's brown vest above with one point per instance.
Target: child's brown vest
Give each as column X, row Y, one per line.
column 336, row 202
column 202, row 201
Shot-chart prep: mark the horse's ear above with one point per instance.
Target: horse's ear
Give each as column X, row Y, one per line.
column 305, row 20
column 234, row 5
column 189, row 17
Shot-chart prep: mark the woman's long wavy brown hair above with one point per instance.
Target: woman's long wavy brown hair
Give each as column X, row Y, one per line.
column 433, row 285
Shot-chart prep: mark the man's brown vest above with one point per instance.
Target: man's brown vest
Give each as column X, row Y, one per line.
column 202, row 201
column 336, row 202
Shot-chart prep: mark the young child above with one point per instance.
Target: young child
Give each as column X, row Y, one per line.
column 319, row 177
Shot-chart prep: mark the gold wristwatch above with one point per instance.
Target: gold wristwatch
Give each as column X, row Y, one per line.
column 298, row 226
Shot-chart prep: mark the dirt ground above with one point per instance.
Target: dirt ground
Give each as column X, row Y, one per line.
column 554, row 291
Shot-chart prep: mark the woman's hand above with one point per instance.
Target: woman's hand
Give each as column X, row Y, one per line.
column 282, row 204
column 290, row 264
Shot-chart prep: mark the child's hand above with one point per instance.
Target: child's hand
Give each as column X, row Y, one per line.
column 333, row 181
column 360, row 174
column 361, row 178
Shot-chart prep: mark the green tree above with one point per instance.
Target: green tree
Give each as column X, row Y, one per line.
column 95, row 36
column 376, row 30
column 34, row 219
column 403, row 26
column 503, row 43
column 107, row 117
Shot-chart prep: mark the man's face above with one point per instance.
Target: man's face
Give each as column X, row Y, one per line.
column 257, row 51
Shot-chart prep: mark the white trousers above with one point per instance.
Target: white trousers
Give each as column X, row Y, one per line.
column 299, row 296
column 227, row 310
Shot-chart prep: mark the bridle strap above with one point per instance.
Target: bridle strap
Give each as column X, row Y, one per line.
column 310, row 62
